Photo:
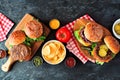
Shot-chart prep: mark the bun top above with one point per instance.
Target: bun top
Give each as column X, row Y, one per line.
column 17, row 37
column 112, row 44
column 93, row 32
column 79, row 23
column 34, row 29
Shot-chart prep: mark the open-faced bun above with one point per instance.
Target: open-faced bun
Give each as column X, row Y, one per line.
column 93, row 32
column 112, row 44
column 34, row 29
column 17, row 37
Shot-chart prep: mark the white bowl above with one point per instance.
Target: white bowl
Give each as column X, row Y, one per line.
column 116, row 22
column 54, row 60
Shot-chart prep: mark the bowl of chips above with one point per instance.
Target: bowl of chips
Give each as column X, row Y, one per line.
column 53, row 52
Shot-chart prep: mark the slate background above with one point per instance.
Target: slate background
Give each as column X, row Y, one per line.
column 104, row 12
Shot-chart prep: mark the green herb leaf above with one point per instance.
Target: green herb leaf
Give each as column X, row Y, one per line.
column 11, row 45
column 100, row 63
column 93, row 45
column 42, row 38
column 28, row 40
column 113, row 55
column 86, row 48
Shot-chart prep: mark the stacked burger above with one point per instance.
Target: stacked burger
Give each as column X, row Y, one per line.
column 21, row 42
column 25, row 38
column 95, row 41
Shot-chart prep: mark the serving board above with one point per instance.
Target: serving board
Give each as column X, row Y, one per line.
column 21, row 26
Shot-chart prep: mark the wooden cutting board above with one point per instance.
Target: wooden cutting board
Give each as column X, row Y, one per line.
column 21, row 26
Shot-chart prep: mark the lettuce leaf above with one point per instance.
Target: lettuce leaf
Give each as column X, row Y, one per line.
column 100, row 63
column 28, row 41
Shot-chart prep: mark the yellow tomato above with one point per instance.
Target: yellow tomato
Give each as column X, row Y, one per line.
column 54, row 24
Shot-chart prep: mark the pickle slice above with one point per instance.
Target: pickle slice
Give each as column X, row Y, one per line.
column 102, row 52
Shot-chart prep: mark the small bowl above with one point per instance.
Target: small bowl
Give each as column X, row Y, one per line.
column 70, row 62
column 51, row 57
column 116, row 22
column 37, row 61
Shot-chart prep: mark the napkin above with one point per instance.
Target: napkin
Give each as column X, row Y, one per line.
column 5, row 26
column 71, row 44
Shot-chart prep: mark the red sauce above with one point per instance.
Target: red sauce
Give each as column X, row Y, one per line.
column 2, row 53
column 70, row 62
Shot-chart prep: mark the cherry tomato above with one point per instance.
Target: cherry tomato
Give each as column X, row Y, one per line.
column 63, row 34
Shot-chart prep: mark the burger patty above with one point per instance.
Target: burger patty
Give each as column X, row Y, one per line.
column 83, row 35
column 107, row 58
column 19, row 52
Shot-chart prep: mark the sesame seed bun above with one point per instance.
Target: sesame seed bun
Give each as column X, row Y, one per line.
column 80, row 22
column 34, row 29
column 112, row 44
column 93, row 32
column 17, row 37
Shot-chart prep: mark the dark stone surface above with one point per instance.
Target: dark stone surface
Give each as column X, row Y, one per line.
column 104, row 12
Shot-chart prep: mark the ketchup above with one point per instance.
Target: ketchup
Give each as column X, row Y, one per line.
column 2, row 53
column 70, row 62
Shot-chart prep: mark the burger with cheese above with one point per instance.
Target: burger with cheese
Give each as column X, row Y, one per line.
column 92, row 39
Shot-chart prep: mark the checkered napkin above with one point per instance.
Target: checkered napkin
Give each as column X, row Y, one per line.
column 71, row 44
column 5, row 25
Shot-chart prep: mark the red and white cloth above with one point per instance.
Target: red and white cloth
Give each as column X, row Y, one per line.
column 5, row 25
column 71, row 44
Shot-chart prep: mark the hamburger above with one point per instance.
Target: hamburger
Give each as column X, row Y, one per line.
column 105, row 51
column 88, row 32
column 93, row 41
column 33, row 29
column 17, row 46
column 34, row 32
column 17, row 37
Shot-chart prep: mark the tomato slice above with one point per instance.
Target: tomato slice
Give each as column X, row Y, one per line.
column 63, row 34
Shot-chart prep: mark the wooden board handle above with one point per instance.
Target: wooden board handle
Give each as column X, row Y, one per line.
column 6, row 67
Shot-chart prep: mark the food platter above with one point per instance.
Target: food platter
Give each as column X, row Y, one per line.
column 21, row 26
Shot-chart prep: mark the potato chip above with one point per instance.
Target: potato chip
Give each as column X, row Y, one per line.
column 54, row 52
column 57, row 44
column 46, row 50
column 55, row 58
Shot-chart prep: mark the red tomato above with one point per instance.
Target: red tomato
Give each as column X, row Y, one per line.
column 63, row 34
